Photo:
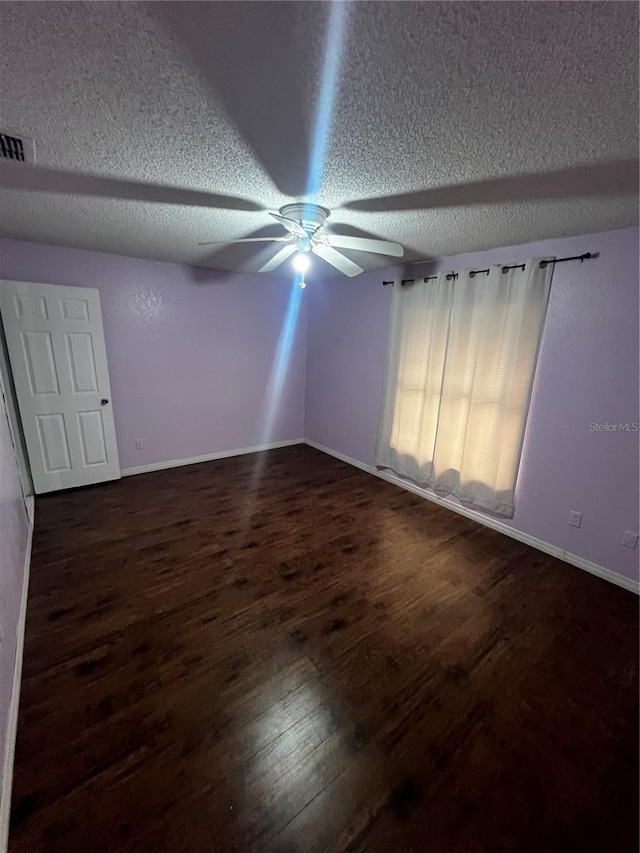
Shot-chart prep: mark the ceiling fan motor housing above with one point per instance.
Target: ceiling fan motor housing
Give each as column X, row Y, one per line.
column 310, row 216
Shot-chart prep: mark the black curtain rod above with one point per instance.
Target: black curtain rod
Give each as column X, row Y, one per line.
column 587, row 256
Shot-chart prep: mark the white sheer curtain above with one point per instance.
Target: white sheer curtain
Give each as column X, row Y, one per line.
column 462, row 356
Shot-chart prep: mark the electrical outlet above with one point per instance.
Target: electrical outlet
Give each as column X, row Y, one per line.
column 630, row 539
column 575, row 518
column 138, row 444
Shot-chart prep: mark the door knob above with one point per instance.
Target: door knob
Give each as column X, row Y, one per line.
column 104, row 401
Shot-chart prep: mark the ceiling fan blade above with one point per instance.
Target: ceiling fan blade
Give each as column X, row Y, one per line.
column 279, row 258
column 29, row 178
column 363, row 244
column 248, row 240
column 336, row 259
column 597, row 179
column 290, row 224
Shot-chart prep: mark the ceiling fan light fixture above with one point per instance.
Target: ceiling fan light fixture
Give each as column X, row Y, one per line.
column 303, row 223
column 301, row 262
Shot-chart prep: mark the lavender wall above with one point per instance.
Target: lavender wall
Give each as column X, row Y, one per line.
column 190, row 351
column 14, row 528
column 191, row 354
column 587, row 373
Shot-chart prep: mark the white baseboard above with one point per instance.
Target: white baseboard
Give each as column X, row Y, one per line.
column 488, row 521
column 208, row 457
column 12, row 722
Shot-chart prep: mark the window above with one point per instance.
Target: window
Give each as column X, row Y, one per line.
column 462, row 356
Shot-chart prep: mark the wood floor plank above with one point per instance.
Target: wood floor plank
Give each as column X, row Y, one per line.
column 278, row 652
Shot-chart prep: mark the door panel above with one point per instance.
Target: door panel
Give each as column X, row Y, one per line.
column 58, row 358
column 38, row 352
column 81, row 362
column 94, row 451
column 31, row 306
column 54, row 443
column 75, row 309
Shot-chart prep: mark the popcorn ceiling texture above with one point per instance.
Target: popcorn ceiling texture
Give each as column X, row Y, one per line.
column 223, row 97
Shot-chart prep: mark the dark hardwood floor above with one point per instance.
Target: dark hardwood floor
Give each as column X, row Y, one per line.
column 315, row 660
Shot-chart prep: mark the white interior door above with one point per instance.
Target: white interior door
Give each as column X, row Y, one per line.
column 58, row 359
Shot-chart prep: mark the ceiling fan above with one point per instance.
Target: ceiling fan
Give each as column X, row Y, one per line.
column 305, row 223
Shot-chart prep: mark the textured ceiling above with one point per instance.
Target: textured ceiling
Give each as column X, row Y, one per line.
column 225, row 97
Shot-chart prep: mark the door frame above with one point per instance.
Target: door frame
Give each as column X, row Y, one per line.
column 7, row 388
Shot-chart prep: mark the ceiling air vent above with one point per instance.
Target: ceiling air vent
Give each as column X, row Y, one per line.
column 18, row 148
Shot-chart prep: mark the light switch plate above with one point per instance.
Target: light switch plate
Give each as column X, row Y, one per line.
column 575, row 518
column 630, row 539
